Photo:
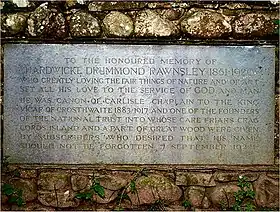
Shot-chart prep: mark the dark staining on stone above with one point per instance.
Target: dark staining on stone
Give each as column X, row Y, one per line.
column 253, row 25
column 47, row 23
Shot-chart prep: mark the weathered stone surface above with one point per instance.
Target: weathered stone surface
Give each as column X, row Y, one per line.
column 154, row 187
column 160, row 5
column 72, row 3
column 194, row 178
column 175, row 208
column 53, row 180
column 29, row 188
column 58, row 199
column 222, row 194
column 79, row 182
column 206, row 24
column 206, row 203
column 2, row 5
column 28, row 173
column 234, row 6
column 195, row 195
column 46, row 22
column 162, row 58
column 267, row 192
column 87, row 206
column 233, row 176
column 113, row 182
column 171, row 14
column 109, row 197
column 81, row 1
column 20, row 3
column 103, row 6
column 149, row 23
column 273, row 15
column 4, row 199
column 13, row 24
column 275, row 2
column 34, row 206
column 5, row 207
column 211, row 6
column 253, row 25
column 84, row 24
column 3, row 20
column 118, row 24
column 166, row 5
column 15, row 207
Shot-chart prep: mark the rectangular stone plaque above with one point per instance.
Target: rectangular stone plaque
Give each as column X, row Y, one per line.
column 138, row 104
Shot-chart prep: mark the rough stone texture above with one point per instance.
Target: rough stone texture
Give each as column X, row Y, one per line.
column 5, row 207
column 253, row 25
column 109, row 197
column 206, row 24
column 206, row 203
column 83, row 24
column 195, row 195
column 87, row 206
column 4, row 199
column 234, row 6
column 267, row 192
column 165, row 5
column 13, row 24
column 46, row 23
column 175, row 208
column 79, row 182
column 72, row 3
column 103, row 6
column 29, row 188
column 277, row 118
column 20, row 3
column 28, row 173
column 155, row 187
column 37, row 207
column 171, row 14
column 58, row 199
column 274, row 2
column 149, row 23
column 211, row 6
column 273, row 175
column 222, row 194
column 3, row 20
column 53, row 181
column 2, row 5
column 114, row 182
column 157, row 5
column 233, row 176
column 118, row 24
column 194, row 178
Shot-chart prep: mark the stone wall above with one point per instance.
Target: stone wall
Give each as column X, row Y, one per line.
column 158, row 187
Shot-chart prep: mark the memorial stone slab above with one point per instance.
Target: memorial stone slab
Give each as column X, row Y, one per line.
column 138, row 104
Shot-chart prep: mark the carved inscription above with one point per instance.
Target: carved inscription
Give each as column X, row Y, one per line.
column 139, row 104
